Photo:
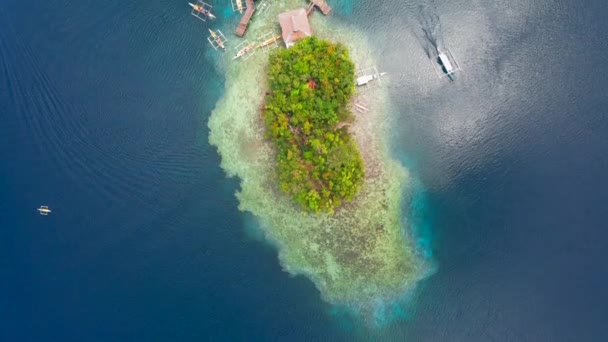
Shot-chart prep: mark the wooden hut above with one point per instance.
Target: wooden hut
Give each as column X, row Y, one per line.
column 295, row 26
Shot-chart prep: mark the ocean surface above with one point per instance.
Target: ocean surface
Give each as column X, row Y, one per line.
column 104, row 109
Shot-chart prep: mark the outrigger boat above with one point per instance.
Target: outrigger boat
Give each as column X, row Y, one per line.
column 244, row 51
column 269, row 41
column 218, row 40
column 239, row 5
column 44, row 210
column 200, row 9
column 263, row 7
column 445, row 64
column 445, row 61
column 365, row 79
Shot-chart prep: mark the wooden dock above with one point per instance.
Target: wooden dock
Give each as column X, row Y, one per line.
column 240, row 30
column 321, row 5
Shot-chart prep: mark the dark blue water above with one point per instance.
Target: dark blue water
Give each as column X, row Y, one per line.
column 103, row 117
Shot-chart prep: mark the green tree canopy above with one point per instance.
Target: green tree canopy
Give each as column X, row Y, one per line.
column 310, row 85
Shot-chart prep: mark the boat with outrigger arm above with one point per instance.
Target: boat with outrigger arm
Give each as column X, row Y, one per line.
column 201, row 10
column 269, row 41
column 445, row 64
column 217, row 39
column 239, row 5
column 44, row 210
column 247, row 50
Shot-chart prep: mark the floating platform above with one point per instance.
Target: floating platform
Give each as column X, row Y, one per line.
column 445, row 64
column 365, row 76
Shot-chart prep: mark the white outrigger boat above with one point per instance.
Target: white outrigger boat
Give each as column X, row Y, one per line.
column 201, row 10
column 242, row 52
column 445, row 64
column 44, row 210
column 365, row 79
column 217, row 39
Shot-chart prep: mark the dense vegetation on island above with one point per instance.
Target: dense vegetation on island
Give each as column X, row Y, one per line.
column 305, row 114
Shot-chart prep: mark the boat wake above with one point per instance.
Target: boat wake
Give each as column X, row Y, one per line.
column 429, row 36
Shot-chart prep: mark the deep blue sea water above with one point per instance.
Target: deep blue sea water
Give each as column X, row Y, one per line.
column 103, row 109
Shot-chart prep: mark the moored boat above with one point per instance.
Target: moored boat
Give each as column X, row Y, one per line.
column 202, row 10
column 445, row 61
column 217, row 39
column 365, row 79
column 244, row 51
column 269, row 41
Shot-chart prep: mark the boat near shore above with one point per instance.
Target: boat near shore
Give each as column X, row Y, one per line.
column 269, row 41
column 244, row 51
column 365, row 79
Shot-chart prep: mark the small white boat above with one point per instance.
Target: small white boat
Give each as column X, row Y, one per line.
column 362, row 107
column 216, row 37
column 365, row 79
column 44, row 210
column 445, row 61
column 445, row 64
column 244, row 51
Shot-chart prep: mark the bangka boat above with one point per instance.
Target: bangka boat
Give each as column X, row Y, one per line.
column 269, row 41
column 216, row 37
column 445, row 61
column 365, row 79
column 239, row 5
column 200, row 9
column 445, row 64
column 244, row 51
column 44, row 210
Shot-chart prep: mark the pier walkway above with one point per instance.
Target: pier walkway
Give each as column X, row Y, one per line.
column 240, row 30
column 321, row 5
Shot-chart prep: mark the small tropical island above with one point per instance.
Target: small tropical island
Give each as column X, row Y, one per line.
column 317, row 176
column 306, row 115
